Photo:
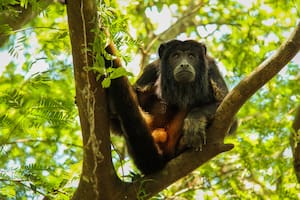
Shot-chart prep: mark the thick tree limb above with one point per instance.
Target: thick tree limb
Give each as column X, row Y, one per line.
column 98, row 178
column 175, row 169
column 250, row 84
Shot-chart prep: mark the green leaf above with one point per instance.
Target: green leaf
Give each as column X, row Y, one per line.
column 106, row 82
column 119, row 72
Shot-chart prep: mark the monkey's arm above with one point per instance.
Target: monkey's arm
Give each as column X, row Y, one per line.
column 199, row 118
column 149, row 75
column 145, row 86
column 195, row 125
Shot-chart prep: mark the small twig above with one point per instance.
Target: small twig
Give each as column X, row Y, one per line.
column 25, row 140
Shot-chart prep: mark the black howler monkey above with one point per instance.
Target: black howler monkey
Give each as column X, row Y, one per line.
column 181, row 89
column 177, row 96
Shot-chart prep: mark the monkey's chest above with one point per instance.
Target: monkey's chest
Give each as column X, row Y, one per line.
column 162, row 114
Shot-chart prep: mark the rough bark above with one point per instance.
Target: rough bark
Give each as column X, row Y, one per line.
column 98, row 179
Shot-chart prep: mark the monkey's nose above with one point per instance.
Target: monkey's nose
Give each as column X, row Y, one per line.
column 184, row 66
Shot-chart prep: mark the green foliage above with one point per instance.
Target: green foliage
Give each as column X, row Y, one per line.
column 37, row 120
column 8, row 4
column 40, row 150
column 113, row 73
column 40, row 144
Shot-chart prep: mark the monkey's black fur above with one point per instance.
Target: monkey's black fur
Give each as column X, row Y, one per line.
column 201, row 93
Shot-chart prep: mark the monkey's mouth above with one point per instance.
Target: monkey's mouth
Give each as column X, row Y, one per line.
column 184, row 76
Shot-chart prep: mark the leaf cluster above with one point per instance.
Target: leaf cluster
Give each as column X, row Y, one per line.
column 38, row 120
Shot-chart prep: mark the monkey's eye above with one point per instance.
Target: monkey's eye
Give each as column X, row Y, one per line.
column 191, row 56
column 175, row 55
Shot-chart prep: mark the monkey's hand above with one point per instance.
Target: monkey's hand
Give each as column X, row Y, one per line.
column 194, row 130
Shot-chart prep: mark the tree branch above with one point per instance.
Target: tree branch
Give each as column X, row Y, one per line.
column 179, row 26
column 250, row 84
column 187, row 20
column 176, row 169
column 98, row 178
column 25, row 15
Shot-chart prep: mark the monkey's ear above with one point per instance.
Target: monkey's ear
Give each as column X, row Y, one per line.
column 204, row 48
column 161, row 49
column 166, row 46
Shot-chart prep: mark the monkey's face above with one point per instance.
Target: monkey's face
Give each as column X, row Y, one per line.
column 183, row 73
column 184, row 63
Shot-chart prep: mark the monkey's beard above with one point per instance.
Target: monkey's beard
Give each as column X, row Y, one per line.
column 183, row 95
